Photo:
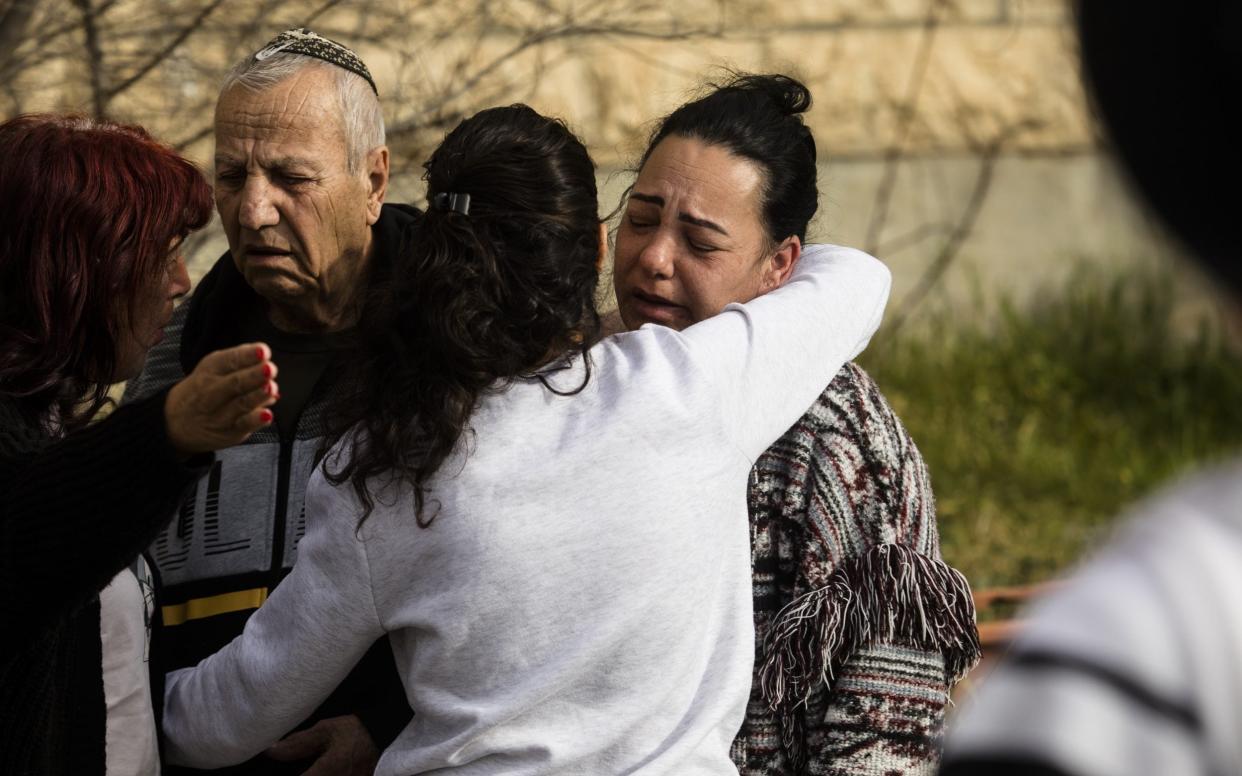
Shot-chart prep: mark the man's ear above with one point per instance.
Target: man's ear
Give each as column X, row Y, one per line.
column 377, row 182
column 780, row 264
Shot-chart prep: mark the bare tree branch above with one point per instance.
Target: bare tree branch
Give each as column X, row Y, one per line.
column 202, row 133
column 907, row 110
column 94, row 57
column 13, row 24
column 174, row 44
column 315, row 15
column 42, row 46
column 913, row 237
column 965, row 225
column 466, row 82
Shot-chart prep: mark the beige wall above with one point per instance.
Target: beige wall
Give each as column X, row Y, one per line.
column 984, row 74
column 992, row 65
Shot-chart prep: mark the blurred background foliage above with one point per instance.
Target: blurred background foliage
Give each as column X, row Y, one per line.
column 1041, row 422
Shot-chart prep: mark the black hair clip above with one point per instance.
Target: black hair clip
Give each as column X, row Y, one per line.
column 458, row 203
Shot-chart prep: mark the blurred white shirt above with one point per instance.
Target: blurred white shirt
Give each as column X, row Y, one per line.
column 1135, row 666
column 124, row 611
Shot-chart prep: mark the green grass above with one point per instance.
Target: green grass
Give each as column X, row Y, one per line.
column 1040, row 425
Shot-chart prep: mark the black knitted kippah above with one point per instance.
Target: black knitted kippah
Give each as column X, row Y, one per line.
column 302, row 41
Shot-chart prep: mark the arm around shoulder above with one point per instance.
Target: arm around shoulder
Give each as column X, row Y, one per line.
column 294, row 650
column 772, row 356
column 854, row 287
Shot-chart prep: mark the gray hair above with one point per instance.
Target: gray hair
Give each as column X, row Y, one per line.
column 361, row 115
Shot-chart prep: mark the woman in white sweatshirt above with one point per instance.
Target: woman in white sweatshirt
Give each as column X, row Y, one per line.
column 552, row 532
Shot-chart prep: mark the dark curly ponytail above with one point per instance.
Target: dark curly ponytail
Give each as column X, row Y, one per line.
column 486, row 293
column 758, row 117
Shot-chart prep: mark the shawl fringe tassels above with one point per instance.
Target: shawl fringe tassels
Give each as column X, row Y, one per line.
column 891, row 594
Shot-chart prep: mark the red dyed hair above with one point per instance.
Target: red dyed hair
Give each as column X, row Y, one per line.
column 88, row 210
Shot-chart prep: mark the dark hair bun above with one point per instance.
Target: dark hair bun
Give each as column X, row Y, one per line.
column 758, row 116
column 789, row 95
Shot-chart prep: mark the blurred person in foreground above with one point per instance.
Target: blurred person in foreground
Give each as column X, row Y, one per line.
column 551, row 528
column 1135, row 666
column 860, row 628
column 301, row 171
column 93, row 215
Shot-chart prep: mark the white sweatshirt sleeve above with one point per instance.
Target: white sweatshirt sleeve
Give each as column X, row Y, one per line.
column 293, row 652
column 772, row 356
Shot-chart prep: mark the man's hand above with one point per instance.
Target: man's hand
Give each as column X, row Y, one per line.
column 341, row 746
column 223, row 401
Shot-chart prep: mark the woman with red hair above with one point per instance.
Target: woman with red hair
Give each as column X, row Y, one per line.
column 92, row 216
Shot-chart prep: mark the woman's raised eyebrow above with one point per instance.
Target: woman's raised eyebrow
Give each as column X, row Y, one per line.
column 685, row 217
column 703, row 222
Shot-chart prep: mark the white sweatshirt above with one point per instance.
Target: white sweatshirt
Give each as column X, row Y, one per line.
column 1133, row 667
column 582, row 602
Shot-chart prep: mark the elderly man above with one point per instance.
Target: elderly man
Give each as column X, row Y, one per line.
column 301, row 171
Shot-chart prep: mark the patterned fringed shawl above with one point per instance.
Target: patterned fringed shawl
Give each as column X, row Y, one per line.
column 861, row 629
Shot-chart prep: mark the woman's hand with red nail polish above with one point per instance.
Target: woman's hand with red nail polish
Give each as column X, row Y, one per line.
column 223, row 401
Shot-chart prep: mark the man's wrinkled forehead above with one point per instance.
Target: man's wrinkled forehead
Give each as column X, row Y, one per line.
column 296, row 113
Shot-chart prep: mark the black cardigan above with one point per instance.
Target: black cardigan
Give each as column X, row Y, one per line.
column 74, row 512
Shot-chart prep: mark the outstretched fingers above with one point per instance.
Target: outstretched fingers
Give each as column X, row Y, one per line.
column 223, row 401
column 238, row 376
column 237, row 358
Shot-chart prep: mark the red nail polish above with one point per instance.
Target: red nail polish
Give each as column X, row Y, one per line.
column 259, row 352
column 267, row 370
column 266, row 416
